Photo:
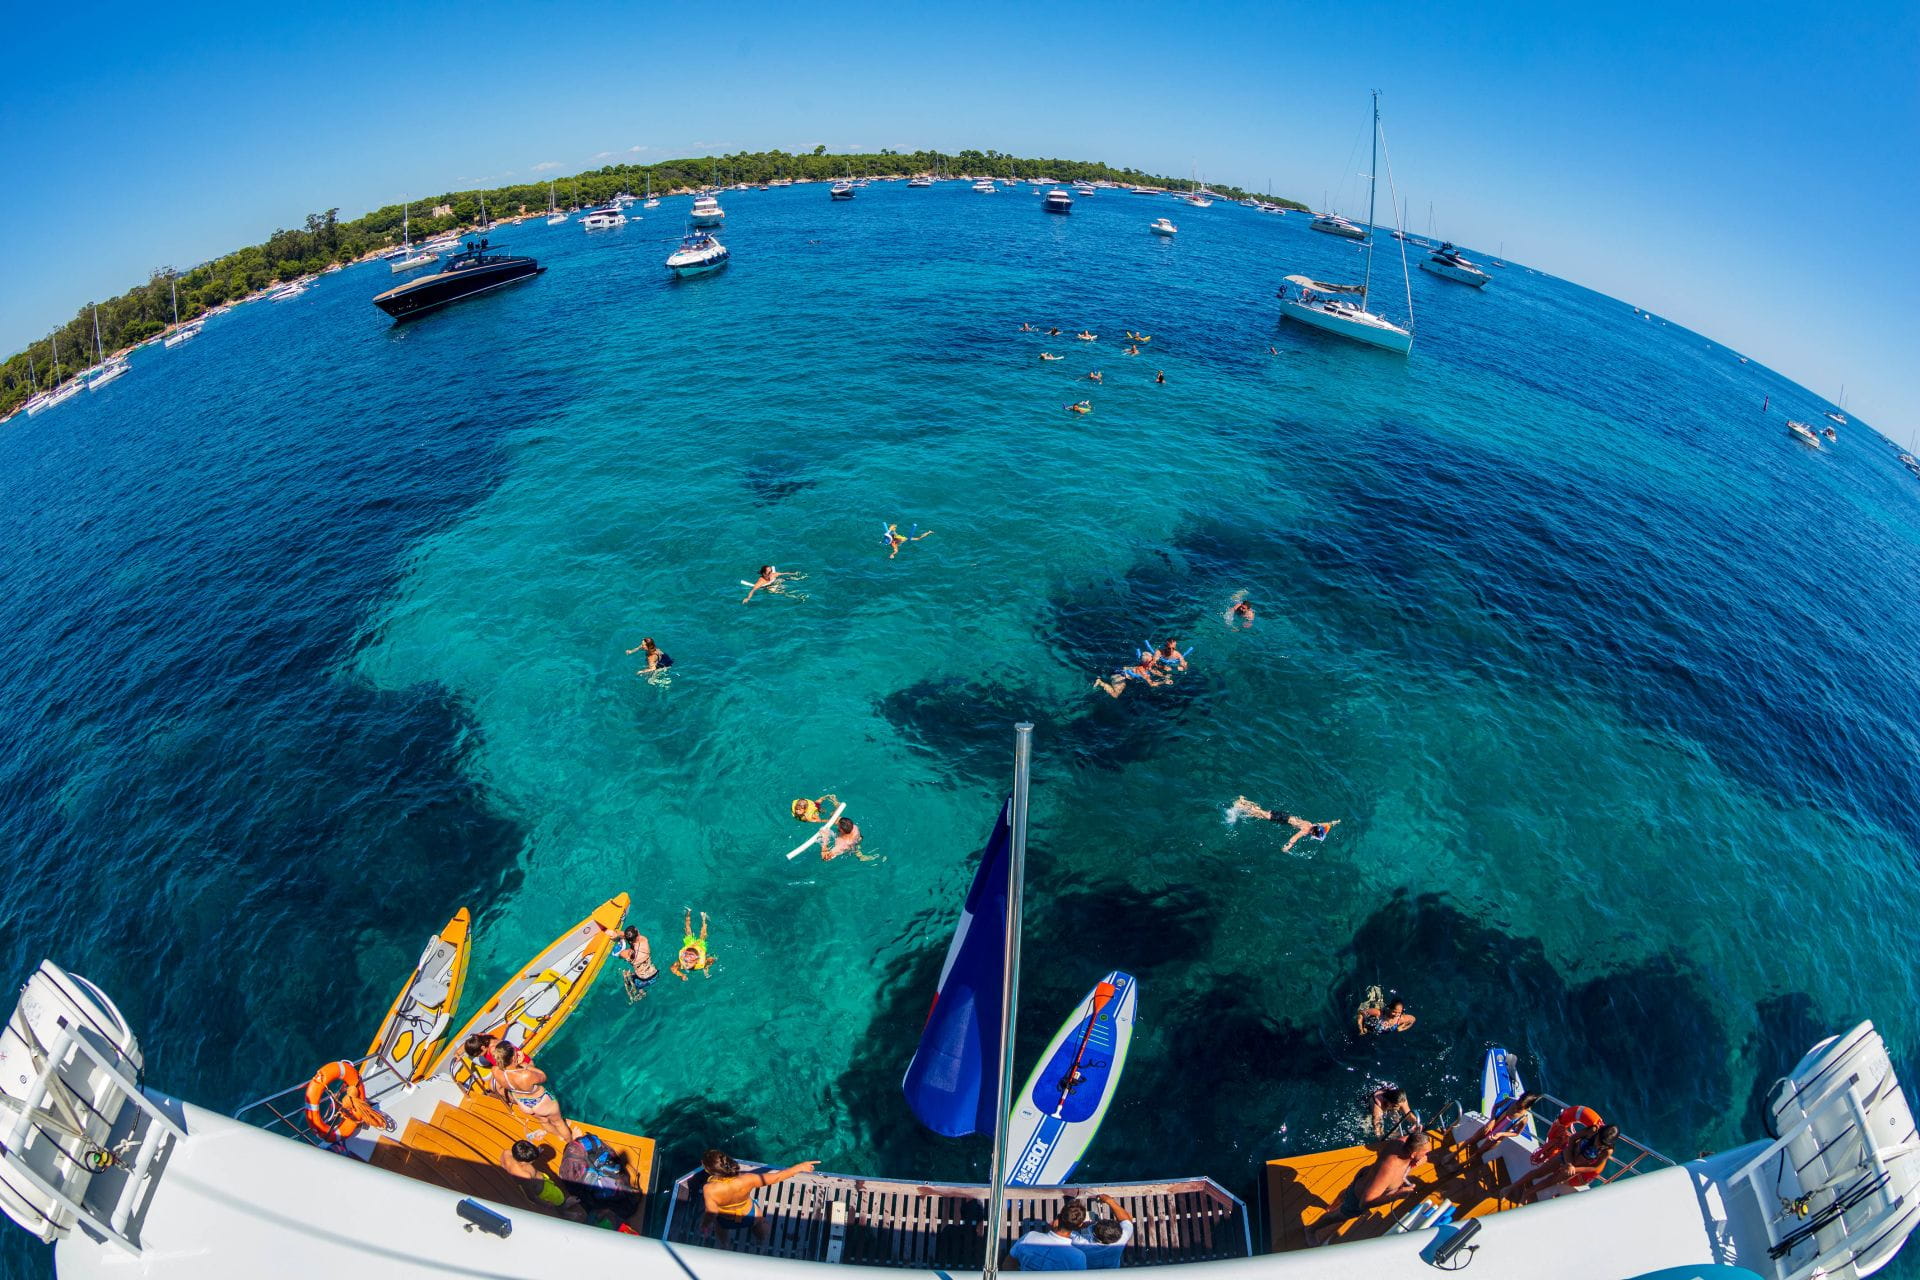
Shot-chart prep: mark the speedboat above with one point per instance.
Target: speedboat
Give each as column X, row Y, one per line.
column 1446, row 261
column 1162, row 227
column 1335, row 225
column 841, row 191
column 470, row 272
column 1803, row 433
column 1057, row 201
column 698, row 253
column 603, row 219
column 707, row 211
column 986, row 186
column 422, row 258
column 1199, row 201
column 920, row 181
column 1082, row 190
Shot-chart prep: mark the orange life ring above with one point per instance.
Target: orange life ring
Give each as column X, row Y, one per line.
column 1562, row 1131
column 352, row 1109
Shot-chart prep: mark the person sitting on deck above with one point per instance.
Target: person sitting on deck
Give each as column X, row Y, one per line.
column 523, row 1086
column 1583, row 1159
column 1389, row 1177
column 1105, row 1241
column 1509, row 1117
column 1053, row 1249
column 727, row 1193
column 526, row 1162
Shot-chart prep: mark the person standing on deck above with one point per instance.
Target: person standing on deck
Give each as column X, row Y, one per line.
column 728, row 1191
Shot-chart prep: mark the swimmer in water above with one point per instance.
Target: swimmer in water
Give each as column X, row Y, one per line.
column 1116, row 685
column 1084, row 406
column 1048, row 355
column 815, row 811
column 657, row 659
column 844, row 838
column 1094, row 376
column 1169, row 655
column 1159, row 376
column 1131, row 350
column 1240, row 611
column 694, row 956
column 1301, row 827
column 1053, row 333
column 768, row 580
column 1027, row 328
column 896, row 539
column 1087, row 335
column 1272, row 352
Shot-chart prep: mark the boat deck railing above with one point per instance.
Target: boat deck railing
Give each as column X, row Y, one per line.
column 1630, row 1155
column 286, row 1110
column 893, row 1222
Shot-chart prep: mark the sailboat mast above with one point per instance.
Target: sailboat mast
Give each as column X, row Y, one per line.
column 99, row 354
column 1373, row 181
column 1009, row 994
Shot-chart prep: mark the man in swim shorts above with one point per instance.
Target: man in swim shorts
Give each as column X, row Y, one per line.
column 657, row 659
column 1389, row 1178
column 642, row 972
column 896, row 539
column 1301, row 827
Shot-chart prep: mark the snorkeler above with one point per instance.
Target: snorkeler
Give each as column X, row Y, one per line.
column 1241, row 611
column 844, row 838
column 896, row 539
column 1083, row 406
column 657, row 659
column 1301, row 827
column 694, row 955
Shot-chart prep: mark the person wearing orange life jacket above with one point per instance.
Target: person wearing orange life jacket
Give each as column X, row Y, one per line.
column 1581, row 1160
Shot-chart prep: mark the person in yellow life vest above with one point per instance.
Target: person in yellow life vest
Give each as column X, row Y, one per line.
column 694, row 956
column 815, row 812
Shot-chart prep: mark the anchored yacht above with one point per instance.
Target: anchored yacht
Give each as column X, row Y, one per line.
column 1335, row 225
column 1163, row 227
column 1057, row 201
column 707, row 211
column 466, row 274
column 698, row 253
column 604, row 219
column 1446, row 261
column 840, row 191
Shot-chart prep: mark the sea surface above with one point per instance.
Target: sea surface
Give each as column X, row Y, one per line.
column 313, row 633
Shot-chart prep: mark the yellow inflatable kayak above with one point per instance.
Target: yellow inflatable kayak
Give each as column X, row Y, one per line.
column 411, row 1034
column 540, row 995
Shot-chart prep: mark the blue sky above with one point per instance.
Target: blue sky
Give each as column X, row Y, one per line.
column 1748, row 170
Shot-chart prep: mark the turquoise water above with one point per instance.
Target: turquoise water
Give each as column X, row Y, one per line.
column 314, row 629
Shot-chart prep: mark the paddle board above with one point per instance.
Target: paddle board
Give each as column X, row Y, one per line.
column 529, row 1009
column 1049, row 1132
column 1499, row 1081
column 814, row 839
column 409, row 1036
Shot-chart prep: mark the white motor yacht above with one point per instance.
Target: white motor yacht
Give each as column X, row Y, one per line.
column 1335, row 225
column 1083, row 190
column 707, row 211
column 604, row 219
column 1162, row 227
column 1057, row 201
column 1803, row 433
column 698, row 253
column 921, row 180
column 986, row 187
column 1446, row 261
column 840, row 191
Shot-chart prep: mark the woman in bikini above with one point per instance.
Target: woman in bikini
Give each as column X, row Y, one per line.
column 767, row 580
column 694, row 956
column 523, row 1087
column 727, row 1194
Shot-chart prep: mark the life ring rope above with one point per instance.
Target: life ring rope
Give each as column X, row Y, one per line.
column 351, row 1109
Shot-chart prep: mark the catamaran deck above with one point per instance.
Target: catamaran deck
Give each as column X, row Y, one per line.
column 887, row 1222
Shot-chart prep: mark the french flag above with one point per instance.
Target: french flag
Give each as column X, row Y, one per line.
column 953, row 1082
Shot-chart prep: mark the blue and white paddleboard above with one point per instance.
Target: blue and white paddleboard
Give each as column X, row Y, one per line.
column 1499, row 1081
column 1060, row 1109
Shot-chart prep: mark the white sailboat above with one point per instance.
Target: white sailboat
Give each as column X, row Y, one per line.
column 649, row 202
column 108, row 370
column 180, row 334
column 38, row 400
column 1325, row 306
column 1839, row 412
column 409, row 260
column 554, row 216
column 56, row 393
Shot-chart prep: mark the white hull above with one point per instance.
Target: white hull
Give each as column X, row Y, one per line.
column 108, row 373
column 1478, row 279
column 1361, row 326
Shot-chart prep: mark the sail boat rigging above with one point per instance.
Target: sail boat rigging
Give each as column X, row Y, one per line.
column 1325, row 306
column 554, row 216
column 180, row 333
column 107, row 370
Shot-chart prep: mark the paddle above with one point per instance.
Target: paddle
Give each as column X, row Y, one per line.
column 1102, row 994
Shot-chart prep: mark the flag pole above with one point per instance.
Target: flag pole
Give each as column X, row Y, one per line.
column 1009, row 994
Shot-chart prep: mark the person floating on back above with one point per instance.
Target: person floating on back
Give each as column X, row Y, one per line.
column 1243, row 807
column 694, row 956
column 896, row 539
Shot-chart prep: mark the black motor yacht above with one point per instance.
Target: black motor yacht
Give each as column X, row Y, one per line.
column 471, row 271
